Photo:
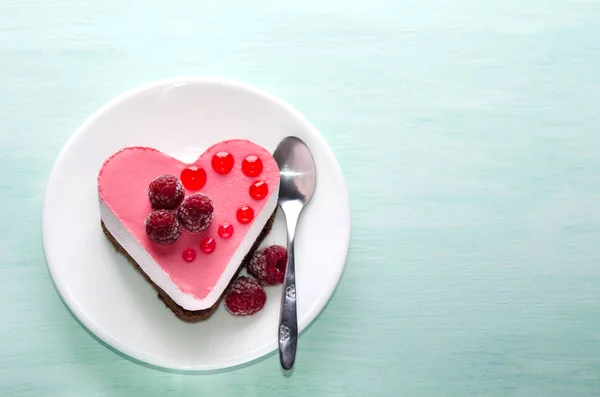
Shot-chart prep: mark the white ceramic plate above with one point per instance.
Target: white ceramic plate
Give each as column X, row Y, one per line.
column 182, row 117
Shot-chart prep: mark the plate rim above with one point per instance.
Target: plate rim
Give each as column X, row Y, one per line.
column 71, row 303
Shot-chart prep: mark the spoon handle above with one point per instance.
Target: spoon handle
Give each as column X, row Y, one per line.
column 288, row 321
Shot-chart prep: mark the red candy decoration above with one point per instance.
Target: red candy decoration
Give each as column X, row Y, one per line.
column 189, row 255
column 222, row 163
column 225, row 230
column 252, row 166
column 193, row 178
column 208, row 245
column 245, row 214
column 259, row 190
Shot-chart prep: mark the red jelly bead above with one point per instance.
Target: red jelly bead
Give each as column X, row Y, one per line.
column 193, row 178
column 245, row 214
column 189, row 255
column 259, row 190
column 252, row 166
column 222, row 162
column 225, row 230
column 208, row 245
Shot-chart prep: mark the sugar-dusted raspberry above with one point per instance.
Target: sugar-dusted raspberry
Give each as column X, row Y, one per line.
column 162, row 227
column 166, row 192
column 268, row 265
column 245, row 296
column 196, row 212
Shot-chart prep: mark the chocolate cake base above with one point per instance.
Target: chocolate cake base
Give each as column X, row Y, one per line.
column 190, row 316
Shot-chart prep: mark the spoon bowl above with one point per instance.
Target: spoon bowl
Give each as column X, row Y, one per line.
column 297, row 170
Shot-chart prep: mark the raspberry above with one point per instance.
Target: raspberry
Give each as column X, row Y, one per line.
column 162, row 227
column 196, row 212
column 245, row 296
column 268, row 265
column 165, row 192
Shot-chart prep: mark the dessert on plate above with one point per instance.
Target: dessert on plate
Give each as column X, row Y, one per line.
column 190, row 228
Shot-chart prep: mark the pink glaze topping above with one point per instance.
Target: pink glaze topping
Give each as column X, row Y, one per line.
column 122, row 185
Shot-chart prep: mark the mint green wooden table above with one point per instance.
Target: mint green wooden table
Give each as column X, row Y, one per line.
column 468, row 131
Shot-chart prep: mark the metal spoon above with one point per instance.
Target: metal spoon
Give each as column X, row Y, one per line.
column 297, row 184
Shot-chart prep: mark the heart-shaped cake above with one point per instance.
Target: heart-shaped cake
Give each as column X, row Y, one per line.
column 191, row 241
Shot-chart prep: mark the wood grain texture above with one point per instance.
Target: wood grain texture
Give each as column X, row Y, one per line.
column 469, row 134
